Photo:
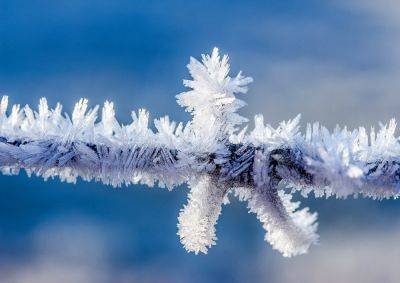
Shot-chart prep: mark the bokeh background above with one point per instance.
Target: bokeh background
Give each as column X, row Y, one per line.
column 333, row 61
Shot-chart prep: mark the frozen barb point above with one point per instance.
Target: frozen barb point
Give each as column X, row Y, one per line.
column 214, row 153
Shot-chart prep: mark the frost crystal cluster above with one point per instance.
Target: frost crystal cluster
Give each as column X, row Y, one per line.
column 213, row 153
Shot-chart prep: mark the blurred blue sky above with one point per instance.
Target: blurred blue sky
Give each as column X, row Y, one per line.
column 333, row 61
column 134, row 53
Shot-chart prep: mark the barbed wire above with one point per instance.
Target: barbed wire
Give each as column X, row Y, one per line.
column 213, row 153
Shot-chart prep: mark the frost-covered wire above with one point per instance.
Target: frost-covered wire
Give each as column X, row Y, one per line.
column 214, row 154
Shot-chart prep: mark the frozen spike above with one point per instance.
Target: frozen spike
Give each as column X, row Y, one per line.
column 197, row 220
column 164, row 125
column 259, row 122
column 372, row 136
column 43, row 108
column 57, row 111
column 79, row 110
column 211, row 98
column 3, row 105
column 179, row 129
column 143, row 118
column 30, row 117
column 289, row 231
column 91, row 116
column 15, row 117
column 108, row 112
column 141, row 121
column 308, row 136
column 43, row 114
column 108, row 121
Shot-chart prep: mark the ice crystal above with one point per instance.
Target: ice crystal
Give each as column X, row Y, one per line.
column 213, row 153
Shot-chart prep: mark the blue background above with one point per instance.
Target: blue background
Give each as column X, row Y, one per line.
column 333, row 61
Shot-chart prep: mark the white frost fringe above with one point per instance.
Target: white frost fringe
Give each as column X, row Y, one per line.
column 197, row 220
column 47, row 143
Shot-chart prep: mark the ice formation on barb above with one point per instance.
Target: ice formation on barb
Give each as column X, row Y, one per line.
column 211, row 153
